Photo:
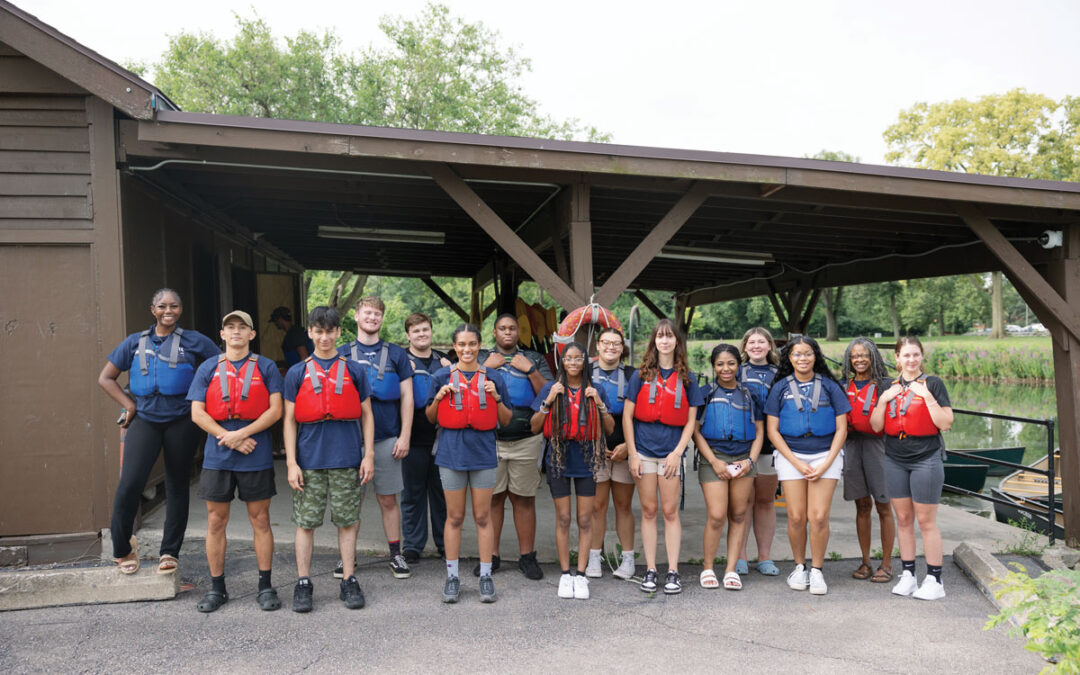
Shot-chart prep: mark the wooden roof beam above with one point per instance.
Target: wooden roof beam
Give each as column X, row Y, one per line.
column 498, row 230
column 649, row 304
column 1019, row 269
column 445, row 297
column 651, row 245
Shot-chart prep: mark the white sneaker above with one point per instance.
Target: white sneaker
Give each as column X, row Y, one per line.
column 817, row 583
column 799, row 578
column 931, row 589
column 566, row 586
column 626, row 567
column 581, row 588
column 595, row 568
column 907, row 584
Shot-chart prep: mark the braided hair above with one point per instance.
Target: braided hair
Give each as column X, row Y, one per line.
column 878, row 370
column 595, row 446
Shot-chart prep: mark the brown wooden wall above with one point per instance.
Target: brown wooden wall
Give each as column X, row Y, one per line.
column 59, row 263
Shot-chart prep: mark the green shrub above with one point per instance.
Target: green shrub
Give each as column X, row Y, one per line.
column 1047, row 615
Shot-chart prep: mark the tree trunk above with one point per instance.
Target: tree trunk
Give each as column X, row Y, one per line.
column 830, row 297
column 941, row 318
column 895, row 316
column 339, row 299
column 997, row 307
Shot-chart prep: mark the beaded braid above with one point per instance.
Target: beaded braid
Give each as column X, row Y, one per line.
column 595, row 447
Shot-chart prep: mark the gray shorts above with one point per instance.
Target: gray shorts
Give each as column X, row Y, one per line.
column 864, row 474
column 481, row 479
column 387, row 480
column 920, row 481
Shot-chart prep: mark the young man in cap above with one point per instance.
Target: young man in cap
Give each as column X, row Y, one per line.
column 518, row 473
column 235, row 399
column 389, row 375
column 329, row 432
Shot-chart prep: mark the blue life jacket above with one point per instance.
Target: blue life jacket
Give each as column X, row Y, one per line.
column 729, row 418
column 421, row 380
column 758, row 384
column 159, row 369
column 518, row 387
column 385, row 383
column 614, row 386
column 806, row 416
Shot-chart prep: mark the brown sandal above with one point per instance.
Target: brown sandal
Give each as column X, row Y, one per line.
column 882, row 576
column 129, row 564
column 167, row 564
column 863, row 572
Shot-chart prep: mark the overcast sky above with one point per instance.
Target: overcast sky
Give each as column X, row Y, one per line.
column 777, row 78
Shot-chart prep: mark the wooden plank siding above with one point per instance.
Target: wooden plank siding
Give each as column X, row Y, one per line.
column 44, row 158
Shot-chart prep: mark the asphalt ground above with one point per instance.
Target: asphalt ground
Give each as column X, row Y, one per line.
column 857, row 627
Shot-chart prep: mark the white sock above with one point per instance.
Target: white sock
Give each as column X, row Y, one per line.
column 594, row 553
column 451, row 568
column 627, row 555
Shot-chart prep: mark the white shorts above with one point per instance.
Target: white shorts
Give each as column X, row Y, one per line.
column 786, row 471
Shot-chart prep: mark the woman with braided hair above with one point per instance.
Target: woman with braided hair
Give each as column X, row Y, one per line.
column 574, row 417
column 865, row 377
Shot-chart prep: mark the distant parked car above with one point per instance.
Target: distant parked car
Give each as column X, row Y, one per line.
column 1013, row 328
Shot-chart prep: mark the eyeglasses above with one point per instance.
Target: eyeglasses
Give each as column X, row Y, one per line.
column 610, row 343
column 802, row 357
column 574, row 359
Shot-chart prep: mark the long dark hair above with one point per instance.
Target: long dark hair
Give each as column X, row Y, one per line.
column 878, row 370
column 595, row 447
column 650, row 362
column 820, row 366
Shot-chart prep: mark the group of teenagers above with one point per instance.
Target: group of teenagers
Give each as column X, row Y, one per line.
column 485, row 425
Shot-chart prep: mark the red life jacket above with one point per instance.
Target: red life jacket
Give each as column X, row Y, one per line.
column 581, row 422
column 316, row 402
column 862, row 404
column 662, row 400
column 236, row 395
column 469, row 405
column 908, row 415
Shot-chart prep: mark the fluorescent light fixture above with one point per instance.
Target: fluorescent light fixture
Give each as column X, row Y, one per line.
column 382, row 234
column 715, row 256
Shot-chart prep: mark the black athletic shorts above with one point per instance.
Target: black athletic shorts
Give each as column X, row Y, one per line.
column 221, row 486
column 560, row 487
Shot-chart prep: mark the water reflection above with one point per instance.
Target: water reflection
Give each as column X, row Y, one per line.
column 969, row 431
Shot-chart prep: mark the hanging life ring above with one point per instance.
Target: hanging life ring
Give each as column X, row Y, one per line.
column 591, row 313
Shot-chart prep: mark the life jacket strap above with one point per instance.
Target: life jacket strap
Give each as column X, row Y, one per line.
column 249, row 372
column 382, row 359
column 174, row 350
column 144, row 340
column 223, row 377
column 313, row 375
column 339, row 376
column 870, row 389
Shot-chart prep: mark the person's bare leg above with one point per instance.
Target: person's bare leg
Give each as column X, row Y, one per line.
column 926, row 514
column 819, row 504
column 888, row 534
column 670, row 491
column 391, row 516
column 562, row 532
column 764, row 515
column 217, row 518
column 738, row 509
column 305, row 541
column 600, row 509
column 262, row 534
column 863, row 511
column 622, row 494
column 455, row 518
column 716, row 503
column 584, row 523
column 795, row 498
column 485, row 535
column 346, row 537
column 524, row 522
column 647, row 496
column 498, row 516
column 905, row 526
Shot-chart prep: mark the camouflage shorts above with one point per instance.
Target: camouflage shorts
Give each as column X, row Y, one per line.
column 341, row 487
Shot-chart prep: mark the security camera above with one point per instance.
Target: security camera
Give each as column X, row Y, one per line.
column 1050, row 239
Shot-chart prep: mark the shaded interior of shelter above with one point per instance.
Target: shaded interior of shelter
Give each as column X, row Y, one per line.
column 798, row 232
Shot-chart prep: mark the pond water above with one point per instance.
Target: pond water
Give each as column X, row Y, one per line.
column 969, row 431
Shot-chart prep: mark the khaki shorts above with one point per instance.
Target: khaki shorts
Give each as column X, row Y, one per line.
column 766, row 464
column 707, row 475
column 518, row 470
column 615, row 471
column 655, row 465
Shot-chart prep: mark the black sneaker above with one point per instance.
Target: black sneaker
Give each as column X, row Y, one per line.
column 351, row 593
column 487, row 589
column 672, row 583
column 529, row 567
column 648, row 582
column 452, row 589
column 301, row 597
column 339, row 571
column 495, row 564
column 399, row 567
column 412, row 557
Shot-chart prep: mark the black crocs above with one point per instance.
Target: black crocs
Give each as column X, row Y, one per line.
column 212, row 601
column 268, row 600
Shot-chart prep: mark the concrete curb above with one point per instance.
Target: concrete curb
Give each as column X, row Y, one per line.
column 984, row 569
column 1060, row 558
column 34, row 588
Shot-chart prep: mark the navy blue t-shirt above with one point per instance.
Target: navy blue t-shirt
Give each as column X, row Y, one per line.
column 575, row 463
column 616, row 436
column 194, row 348
column 763, row 372
column 656, row 439
column 519, row 426
column 333, row 444
column 808, row 445
column 387, row 413
column 221, row 457
column 466, row 449
column 725, row 447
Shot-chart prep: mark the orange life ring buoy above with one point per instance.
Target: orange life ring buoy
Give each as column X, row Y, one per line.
column 591, row 313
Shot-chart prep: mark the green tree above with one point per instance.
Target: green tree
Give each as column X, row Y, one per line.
column 1012, row 134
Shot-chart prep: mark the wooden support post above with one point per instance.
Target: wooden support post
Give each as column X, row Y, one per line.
column 580, row 226
column 651, row 245
column 774, row 298
column 649, row 304
column 515, row 248
column 445, row 297
column 680, row 313
column 808, row 312
column 489, row 310
column 476, row 296
column 1064, row 277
